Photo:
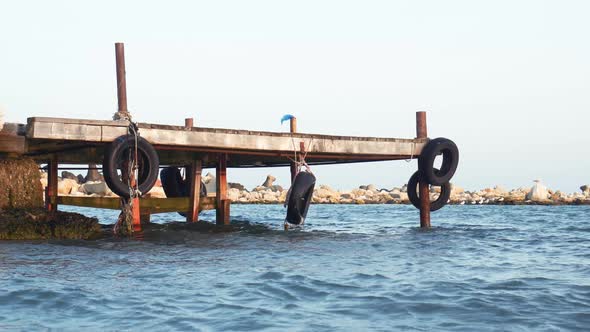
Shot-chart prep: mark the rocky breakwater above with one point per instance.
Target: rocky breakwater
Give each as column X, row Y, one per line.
column 537, row 194
column 270, row 193
column 92, row 185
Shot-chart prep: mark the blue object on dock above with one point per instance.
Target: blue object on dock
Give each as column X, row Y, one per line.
column 286, row 117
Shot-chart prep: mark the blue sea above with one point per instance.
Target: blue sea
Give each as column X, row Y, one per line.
column 351, row 268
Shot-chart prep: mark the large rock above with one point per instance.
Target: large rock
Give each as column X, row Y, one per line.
column 456, row 190
column 538, row 192
column 69, row 175
column 233, row 194
column 20, row 187
column 67, row 186
column 156, row 192
column 96, row 187
column 585, row 189
column 269, row 181
column 327, row 193
column 93, row 174
column 43, row 180
column 234, row 185
column 276, row 188
column 210, row 182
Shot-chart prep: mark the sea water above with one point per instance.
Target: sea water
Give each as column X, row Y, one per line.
column 351, row 268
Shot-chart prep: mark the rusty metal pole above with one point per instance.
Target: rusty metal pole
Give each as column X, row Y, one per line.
column 188, row 123
column 51, row 189
column 122, row 111
column 424, row 188
column 195, row 192
column 293, row 129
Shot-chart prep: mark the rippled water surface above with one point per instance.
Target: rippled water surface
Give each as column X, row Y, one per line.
column 351, row 268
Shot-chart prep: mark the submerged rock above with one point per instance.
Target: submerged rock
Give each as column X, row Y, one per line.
column 37, row 224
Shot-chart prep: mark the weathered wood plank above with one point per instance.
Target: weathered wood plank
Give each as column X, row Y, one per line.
column 236, row 140
column 12, row 144
column 151, row 205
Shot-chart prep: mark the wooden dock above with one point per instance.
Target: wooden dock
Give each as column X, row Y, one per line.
column 62, row 141
column 79, row 141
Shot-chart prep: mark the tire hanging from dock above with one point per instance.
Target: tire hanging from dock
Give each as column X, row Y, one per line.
column 117, row 157
column 299, row 197
column 175, row 186
column 443, row 198
column 450, row 155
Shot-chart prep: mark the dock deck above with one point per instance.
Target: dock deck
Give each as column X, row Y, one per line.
column 79, row 141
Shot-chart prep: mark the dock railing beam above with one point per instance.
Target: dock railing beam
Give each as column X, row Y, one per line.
column 424, row 188
column 222, row 209
column 194, row 171
column 293, row 129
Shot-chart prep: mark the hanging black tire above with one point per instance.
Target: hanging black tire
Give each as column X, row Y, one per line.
column 443, row 198
column 175, row 186
column 450, row 155
column 301, row 194
column 118, row 152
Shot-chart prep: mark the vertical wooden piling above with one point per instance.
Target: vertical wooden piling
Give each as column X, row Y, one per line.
column 222, row 210
column 51, row 189
column 194, row 171
column 293, row 129
column 188, row 123
column 424, row 188
column 135, row 211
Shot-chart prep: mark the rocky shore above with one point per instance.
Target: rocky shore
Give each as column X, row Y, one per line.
column 270, row 193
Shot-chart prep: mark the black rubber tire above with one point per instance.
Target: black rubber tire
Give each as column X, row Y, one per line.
column 450, row 154
column 117, row 151
column 174, row 185
column 443, row 198
column 300, row 197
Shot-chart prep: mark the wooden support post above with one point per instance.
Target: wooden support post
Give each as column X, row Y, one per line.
column 293, row 129
column 135, row 210
column 195, row 190
column 222, row 211
column 188, row 123
column 424, row 188
column 145, row 216
column 51, row 189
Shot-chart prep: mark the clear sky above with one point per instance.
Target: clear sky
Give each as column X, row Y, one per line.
column 508, row 81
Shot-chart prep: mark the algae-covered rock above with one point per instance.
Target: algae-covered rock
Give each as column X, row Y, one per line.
column 38, row 224
column 20, row 187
